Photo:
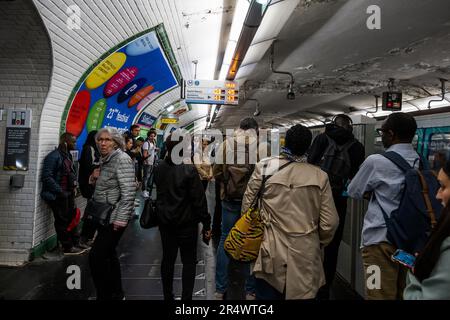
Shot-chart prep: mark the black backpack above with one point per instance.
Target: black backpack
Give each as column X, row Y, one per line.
column 336, row 162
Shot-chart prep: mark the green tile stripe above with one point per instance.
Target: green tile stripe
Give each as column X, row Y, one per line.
column 44, row 246
column 165, row 45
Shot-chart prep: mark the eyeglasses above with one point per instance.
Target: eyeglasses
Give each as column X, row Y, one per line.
column 381, row 131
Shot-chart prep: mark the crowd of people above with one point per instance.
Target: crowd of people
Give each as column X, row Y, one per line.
column 302, row 194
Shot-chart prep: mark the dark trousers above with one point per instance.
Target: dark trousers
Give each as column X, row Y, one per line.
column 63, row 212
column 238, row 275
column 105, row 265
column 332, row 250
column 89, row 229
column 264, row 291
column 205, row 184
column 185, row 239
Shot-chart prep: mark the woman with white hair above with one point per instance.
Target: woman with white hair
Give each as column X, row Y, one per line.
column 114, row 184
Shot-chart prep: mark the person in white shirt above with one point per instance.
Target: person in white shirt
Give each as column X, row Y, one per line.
column 383, row 182
column 150, row 156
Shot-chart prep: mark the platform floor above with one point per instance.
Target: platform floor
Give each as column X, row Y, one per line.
column 140, row 255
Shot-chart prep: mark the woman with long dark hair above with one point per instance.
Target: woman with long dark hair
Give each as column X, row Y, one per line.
column 89, row 161
column 430, row 279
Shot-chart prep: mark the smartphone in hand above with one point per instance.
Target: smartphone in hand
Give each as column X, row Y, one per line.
column 404, row 258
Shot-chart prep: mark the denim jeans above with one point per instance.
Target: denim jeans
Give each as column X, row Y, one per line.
column 147, row 182
column 231, row 212
column 138, row 210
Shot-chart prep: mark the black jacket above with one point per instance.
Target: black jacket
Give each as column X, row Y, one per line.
column 340, row 136
column 180, row 199
column 52, row 173
column 90, row 159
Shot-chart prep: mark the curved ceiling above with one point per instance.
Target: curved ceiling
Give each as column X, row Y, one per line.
column 339, row 64
column 193, row 29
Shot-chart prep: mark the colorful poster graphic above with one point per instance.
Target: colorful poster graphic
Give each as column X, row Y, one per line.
column 146, row 120
column 123, row 83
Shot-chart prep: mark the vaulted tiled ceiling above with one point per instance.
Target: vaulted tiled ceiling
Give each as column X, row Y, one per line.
column 193, row 27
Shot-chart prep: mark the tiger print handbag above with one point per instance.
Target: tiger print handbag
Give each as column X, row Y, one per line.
column 244, row 240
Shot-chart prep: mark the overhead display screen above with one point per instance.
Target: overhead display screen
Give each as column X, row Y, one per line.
column 211, row 92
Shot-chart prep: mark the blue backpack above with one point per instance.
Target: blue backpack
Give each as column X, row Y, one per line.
column 409, row 226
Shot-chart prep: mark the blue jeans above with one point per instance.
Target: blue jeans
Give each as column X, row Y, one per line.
column 138, row 210
column 231, row 212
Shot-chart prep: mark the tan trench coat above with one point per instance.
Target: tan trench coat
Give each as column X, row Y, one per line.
column 299, row 218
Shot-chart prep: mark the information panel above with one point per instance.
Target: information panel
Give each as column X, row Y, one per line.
column 17, row 140
column 17, row 149
column 169, row 120
column 211, row 92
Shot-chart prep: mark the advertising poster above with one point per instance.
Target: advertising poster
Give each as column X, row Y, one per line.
column 118, row 87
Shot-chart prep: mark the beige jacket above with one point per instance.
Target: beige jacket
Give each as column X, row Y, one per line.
column 258, row 151
column 203, row 165
column 299, row 218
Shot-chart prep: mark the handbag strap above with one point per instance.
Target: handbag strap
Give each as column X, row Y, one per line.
column 264, row 180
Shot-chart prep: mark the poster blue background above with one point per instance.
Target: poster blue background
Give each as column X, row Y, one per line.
column 152, row 66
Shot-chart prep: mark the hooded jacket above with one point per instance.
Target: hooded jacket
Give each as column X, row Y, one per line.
column 341, row 136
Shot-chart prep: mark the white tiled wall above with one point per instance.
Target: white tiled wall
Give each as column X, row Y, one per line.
column 25, row 70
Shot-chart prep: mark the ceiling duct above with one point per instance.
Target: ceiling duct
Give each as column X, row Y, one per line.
column 251, row 23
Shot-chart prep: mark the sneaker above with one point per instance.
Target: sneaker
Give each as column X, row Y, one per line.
column 145, row 194
column 250, row 296
column 73, row 251
column 218, row 296
column 83, row 245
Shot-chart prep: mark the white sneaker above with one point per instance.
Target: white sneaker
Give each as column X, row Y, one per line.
column 250, row 296
column 218, row 296
column 145, row 194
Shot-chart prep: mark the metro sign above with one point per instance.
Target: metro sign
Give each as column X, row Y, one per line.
column 211, row 92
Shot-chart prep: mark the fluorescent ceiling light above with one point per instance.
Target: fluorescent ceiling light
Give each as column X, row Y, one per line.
column 240, row 12
column 256, row 52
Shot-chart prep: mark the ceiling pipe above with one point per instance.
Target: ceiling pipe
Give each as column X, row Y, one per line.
column 291, row 94
column 376, row 106
column 443, row 81
column 257, row 111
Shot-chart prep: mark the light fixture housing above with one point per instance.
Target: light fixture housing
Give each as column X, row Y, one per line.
column 290, row 95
